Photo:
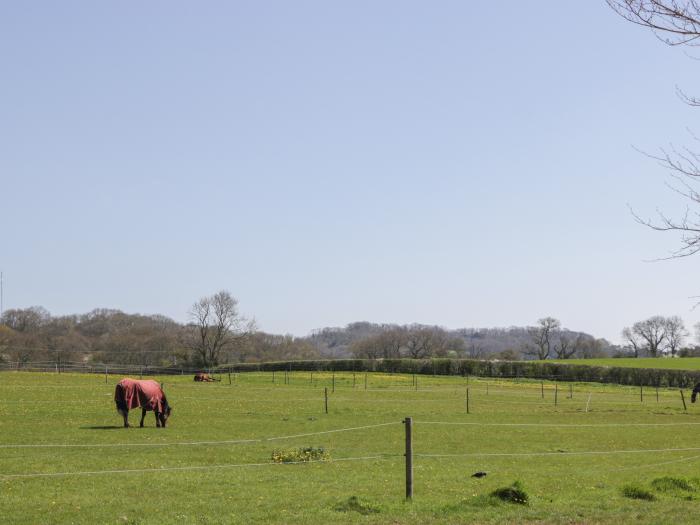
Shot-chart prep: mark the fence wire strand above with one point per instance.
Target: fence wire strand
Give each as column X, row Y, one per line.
column 187, row 468
column 192, row 443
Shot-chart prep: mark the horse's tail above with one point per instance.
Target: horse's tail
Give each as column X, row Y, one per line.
column 120, row 400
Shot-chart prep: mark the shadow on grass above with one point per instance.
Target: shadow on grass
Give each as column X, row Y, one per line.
column 102, row 427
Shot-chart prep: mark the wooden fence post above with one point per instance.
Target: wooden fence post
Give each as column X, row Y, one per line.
column 229, row 376
column 542, row 388
column 408, row 422
column 325, row 396
column 333, row 380
column 556, row 393
column 683, row 399
column 365, row 380
column 105, row 373
column 467, row 400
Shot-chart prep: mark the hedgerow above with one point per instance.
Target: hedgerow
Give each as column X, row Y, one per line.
column 498, row 369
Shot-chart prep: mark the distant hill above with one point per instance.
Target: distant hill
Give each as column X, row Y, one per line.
column 335, row 342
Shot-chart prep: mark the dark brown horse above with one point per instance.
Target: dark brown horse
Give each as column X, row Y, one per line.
column 147, row 394
column 695, row 393
column 201, row 376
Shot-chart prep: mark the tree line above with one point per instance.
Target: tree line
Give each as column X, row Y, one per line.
column 217, row 333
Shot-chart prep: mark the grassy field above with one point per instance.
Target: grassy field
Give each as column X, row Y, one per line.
column 65, row 459
column 685, row 363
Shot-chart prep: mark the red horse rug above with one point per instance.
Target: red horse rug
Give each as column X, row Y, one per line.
column 147, row 394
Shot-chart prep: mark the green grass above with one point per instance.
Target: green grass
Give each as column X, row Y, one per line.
column 213, row 463
column 634, row 491
column 685, row 363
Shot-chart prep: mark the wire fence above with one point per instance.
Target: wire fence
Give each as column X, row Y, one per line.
column 409, row 455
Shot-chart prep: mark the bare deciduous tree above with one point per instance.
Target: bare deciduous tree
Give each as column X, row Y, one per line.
column 633, row 339
column 475, row 351
column 565, row 347
column 542, row 337
column 216, row 327
column 675, row 334
column 419, row 343
column 675, row 23
column 653, row 332
column 589, row 347
column 27, row 319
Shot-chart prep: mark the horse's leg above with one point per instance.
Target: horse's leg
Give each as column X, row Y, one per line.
column 157, row 418
column 143, row 415
column 125, row 414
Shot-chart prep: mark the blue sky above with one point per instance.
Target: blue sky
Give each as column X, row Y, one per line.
column 448, row 163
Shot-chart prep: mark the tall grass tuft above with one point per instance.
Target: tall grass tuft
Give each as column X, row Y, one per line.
column 634, row 491
column 513, row 494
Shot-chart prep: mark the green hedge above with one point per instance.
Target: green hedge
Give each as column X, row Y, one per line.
column 504, row 369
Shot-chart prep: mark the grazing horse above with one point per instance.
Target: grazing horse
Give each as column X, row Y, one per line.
column 696, row 391
column 147, row 394
column 201, row 376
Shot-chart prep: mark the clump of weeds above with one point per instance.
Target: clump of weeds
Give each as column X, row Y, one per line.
column 513, row 494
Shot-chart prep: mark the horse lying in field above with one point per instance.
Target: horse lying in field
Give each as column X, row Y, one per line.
column 147, row 394
column 696, row 391
column 201, row 376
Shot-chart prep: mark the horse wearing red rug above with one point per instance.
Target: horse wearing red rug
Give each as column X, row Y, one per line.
column 147, row 394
